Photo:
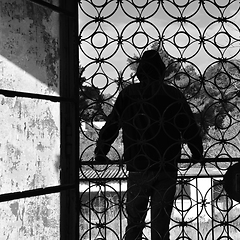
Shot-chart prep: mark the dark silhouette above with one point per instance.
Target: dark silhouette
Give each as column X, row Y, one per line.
column 156, row 120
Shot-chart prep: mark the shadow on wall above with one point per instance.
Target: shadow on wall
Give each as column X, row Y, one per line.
column 29, row 47
column 30, row 128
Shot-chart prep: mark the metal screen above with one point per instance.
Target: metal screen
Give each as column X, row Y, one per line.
column 199, row 42
column 39, row 120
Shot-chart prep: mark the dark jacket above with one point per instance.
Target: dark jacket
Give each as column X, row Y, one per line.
column 155, row 120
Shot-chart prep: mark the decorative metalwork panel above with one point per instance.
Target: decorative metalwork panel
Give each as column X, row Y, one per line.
column 199, row 42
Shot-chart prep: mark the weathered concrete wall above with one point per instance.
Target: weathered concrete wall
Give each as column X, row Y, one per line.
column 29, row 129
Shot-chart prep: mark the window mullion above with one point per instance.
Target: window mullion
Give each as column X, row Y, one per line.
column 35, row 192
column 9, row 93
column 52, row 7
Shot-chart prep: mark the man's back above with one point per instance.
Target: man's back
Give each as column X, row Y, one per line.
column 152, row 118
column 155, row 119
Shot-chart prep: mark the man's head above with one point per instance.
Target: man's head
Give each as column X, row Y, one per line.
column 151, row 67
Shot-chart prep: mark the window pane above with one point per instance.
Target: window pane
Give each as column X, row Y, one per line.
column 30, row 218
column 29, row 48
column 29, row 144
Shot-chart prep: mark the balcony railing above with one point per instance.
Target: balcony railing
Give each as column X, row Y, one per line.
column 201, row 209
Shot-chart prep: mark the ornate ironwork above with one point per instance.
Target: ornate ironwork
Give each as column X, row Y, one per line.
column 199, row 43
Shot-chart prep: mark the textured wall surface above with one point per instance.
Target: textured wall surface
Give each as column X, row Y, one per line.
column 29, row 128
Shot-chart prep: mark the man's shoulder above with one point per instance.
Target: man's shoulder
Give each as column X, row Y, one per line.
column 172, row 91
column 170, row 87
column 130, row 89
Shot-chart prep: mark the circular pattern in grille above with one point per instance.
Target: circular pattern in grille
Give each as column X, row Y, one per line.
column 199, row 43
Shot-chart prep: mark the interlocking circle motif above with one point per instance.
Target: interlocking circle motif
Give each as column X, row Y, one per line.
column 199, row 42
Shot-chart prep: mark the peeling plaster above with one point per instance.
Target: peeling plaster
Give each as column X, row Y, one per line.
column 30, row 128
column 29, row 40
column 14, row 208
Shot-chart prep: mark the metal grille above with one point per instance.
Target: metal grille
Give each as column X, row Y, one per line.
column 199, row 43
column 39, row 106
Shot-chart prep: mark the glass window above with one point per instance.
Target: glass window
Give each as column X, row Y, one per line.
column 38, row 130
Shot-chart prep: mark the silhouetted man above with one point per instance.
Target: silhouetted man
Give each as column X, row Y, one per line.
column 155, row 120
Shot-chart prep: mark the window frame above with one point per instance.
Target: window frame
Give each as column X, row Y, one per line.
column 69, row 121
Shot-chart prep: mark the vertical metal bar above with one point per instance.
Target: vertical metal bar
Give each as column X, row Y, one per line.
column 227, row 217
column 182, row 207
column 198, row 222
column 105, row 211
column 120, row 200
column 212, row 192
column 69, row 209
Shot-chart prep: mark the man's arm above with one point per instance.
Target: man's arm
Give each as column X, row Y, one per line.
column 108, row 134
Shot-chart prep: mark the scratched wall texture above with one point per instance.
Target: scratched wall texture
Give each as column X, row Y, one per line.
column 29, row 128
